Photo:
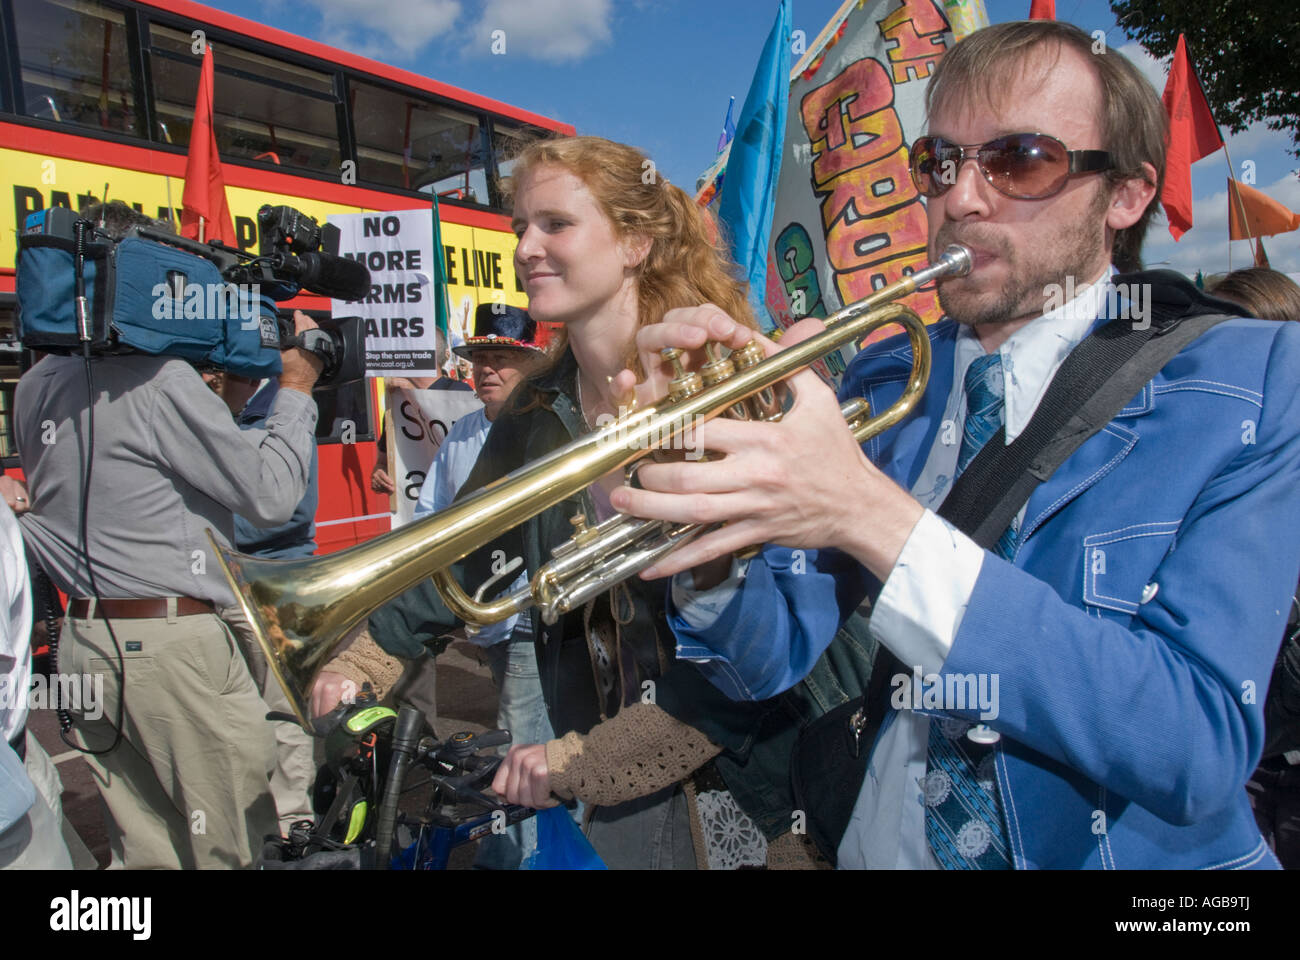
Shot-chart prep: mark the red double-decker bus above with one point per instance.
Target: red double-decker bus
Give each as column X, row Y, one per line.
column 97, row 97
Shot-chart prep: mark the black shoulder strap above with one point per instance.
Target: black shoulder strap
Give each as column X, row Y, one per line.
column 1099, row 377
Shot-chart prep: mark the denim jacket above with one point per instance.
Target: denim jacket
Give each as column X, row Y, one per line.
column 17, row 794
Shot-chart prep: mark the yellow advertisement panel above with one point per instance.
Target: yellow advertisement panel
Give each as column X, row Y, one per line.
column 479, row 261
column 38, row 182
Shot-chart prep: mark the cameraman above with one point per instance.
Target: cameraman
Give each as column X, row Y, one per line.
column 183, row 771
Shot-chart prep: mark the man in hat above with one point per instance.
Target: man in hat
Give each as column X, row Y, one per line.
column 502, row 352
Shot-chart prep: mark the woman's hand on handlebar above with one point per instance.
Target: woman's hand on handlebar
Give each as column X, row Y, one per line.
column 523, row 777
column 329, row 690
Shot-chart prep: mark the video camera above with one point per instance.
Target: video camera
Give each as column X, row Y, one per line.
column 157, row 293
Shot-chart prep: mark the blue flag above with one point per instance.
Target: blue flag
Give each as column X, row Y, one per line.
column 754, row 166
column 728, row 127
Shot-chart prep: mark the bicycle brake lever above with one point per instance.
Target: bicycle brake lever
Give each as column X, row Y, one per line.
column 467, row 794
column 461, row 746
column 493, row 738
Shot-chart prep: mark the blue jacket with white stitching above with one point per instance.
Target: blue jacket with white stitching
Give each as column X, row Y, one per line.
column 1133, row 634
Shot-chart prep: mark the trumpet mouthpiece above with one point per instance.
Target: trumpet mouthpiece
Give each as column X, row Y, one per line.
column 958, row 259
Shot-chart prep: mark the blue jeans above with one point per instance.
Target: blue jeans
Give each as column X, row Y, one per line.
column 522, row 711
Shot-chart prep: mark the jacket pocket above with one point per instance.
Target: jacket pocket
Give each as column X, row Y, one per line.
column 1118, row 564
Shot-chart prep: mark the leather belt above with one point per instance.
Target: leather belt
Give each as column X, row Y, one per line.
column 132, row 608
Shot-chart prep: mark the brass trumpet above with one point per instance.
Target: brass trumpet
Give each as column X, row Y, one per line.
column 300, row 610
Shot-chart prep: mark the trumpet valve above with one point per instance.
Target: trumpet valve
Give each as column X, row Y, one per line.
column 581, row 532
column 685, row 383
column 763, row 405
column 718, row 368
column 747, row 356
column 857, row 413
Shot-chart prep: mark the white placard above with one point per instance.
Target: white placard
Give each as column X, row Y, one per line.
column 400, row 314
column 421, row 419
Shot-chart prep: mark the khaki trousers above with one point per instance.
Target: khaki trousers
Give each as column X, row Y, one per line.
column 296, row 753
column 187, row 786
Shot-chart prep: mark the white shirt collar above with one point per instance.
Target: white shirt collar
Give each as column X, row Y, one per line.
column 1031, row 355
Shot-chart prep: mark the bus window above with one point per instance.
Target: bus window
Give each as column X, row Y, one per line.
column 410, row 143
column 74, row 64
column 508, row 142
column 266, row 110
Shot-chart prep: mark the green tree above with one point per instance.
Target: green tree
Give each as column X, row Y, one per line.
column 1246, row 52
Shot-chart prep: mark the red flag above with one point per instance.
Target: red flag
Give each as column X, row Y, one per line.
column 1042, row 10
column 1261, row 258
column 1192, row 134
column 205, row 187
column 1255, row 214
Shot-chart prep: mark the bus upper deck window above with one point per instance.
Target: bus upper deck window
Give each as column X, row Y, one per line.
column 269, row 110
column 74, row 64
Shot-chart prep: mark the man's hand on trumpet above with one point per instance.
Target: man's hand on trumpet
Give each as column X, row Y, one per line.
column 687, row 329
column 803, row 482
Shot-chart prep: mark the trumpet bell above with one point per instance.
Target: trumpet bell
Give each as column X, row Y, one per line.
column 300, row 610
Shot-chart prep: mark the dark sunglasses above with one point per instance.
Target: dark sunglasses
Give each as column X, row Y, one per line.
column 1023, row 166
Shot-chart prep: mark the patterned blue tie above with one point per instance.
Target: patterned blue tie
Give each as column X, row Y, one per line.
column 985, row 414
column 963, row 812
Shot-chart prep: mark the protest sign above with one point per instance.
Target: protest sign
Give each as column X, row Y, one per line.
column 421, row 420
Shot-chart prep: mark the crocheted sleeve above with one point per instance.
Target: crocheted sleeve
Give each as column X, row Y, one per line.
column 367, row 662
column 640, row 750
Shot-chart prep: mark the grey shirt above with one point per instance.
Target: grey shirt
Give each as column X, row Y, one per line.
column 169, row 463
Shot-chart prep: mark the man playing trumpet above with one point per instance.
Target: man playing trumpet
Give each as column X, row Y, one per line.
column 1130, row 613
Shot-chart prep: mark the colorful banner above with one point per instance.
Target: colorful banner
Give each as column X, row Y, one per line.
column 479, row 262
column 848, row 218
column 37, row 182
column 965, row 16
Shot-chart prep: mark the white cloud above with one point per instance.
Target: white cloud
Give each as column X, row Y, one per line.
column 1205, row 246
column 1157, row 71
column 551, row 30
column 385, row 31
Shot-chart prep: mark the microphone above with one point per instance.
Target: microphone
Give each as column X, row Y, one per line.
column 326, row 274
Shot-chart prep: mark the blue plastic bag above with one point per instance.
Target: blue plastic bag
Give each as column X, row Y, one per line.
column 561, row 845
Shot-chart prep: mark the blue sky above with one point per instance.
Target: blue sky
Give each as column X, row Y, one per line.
column 657, row 73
